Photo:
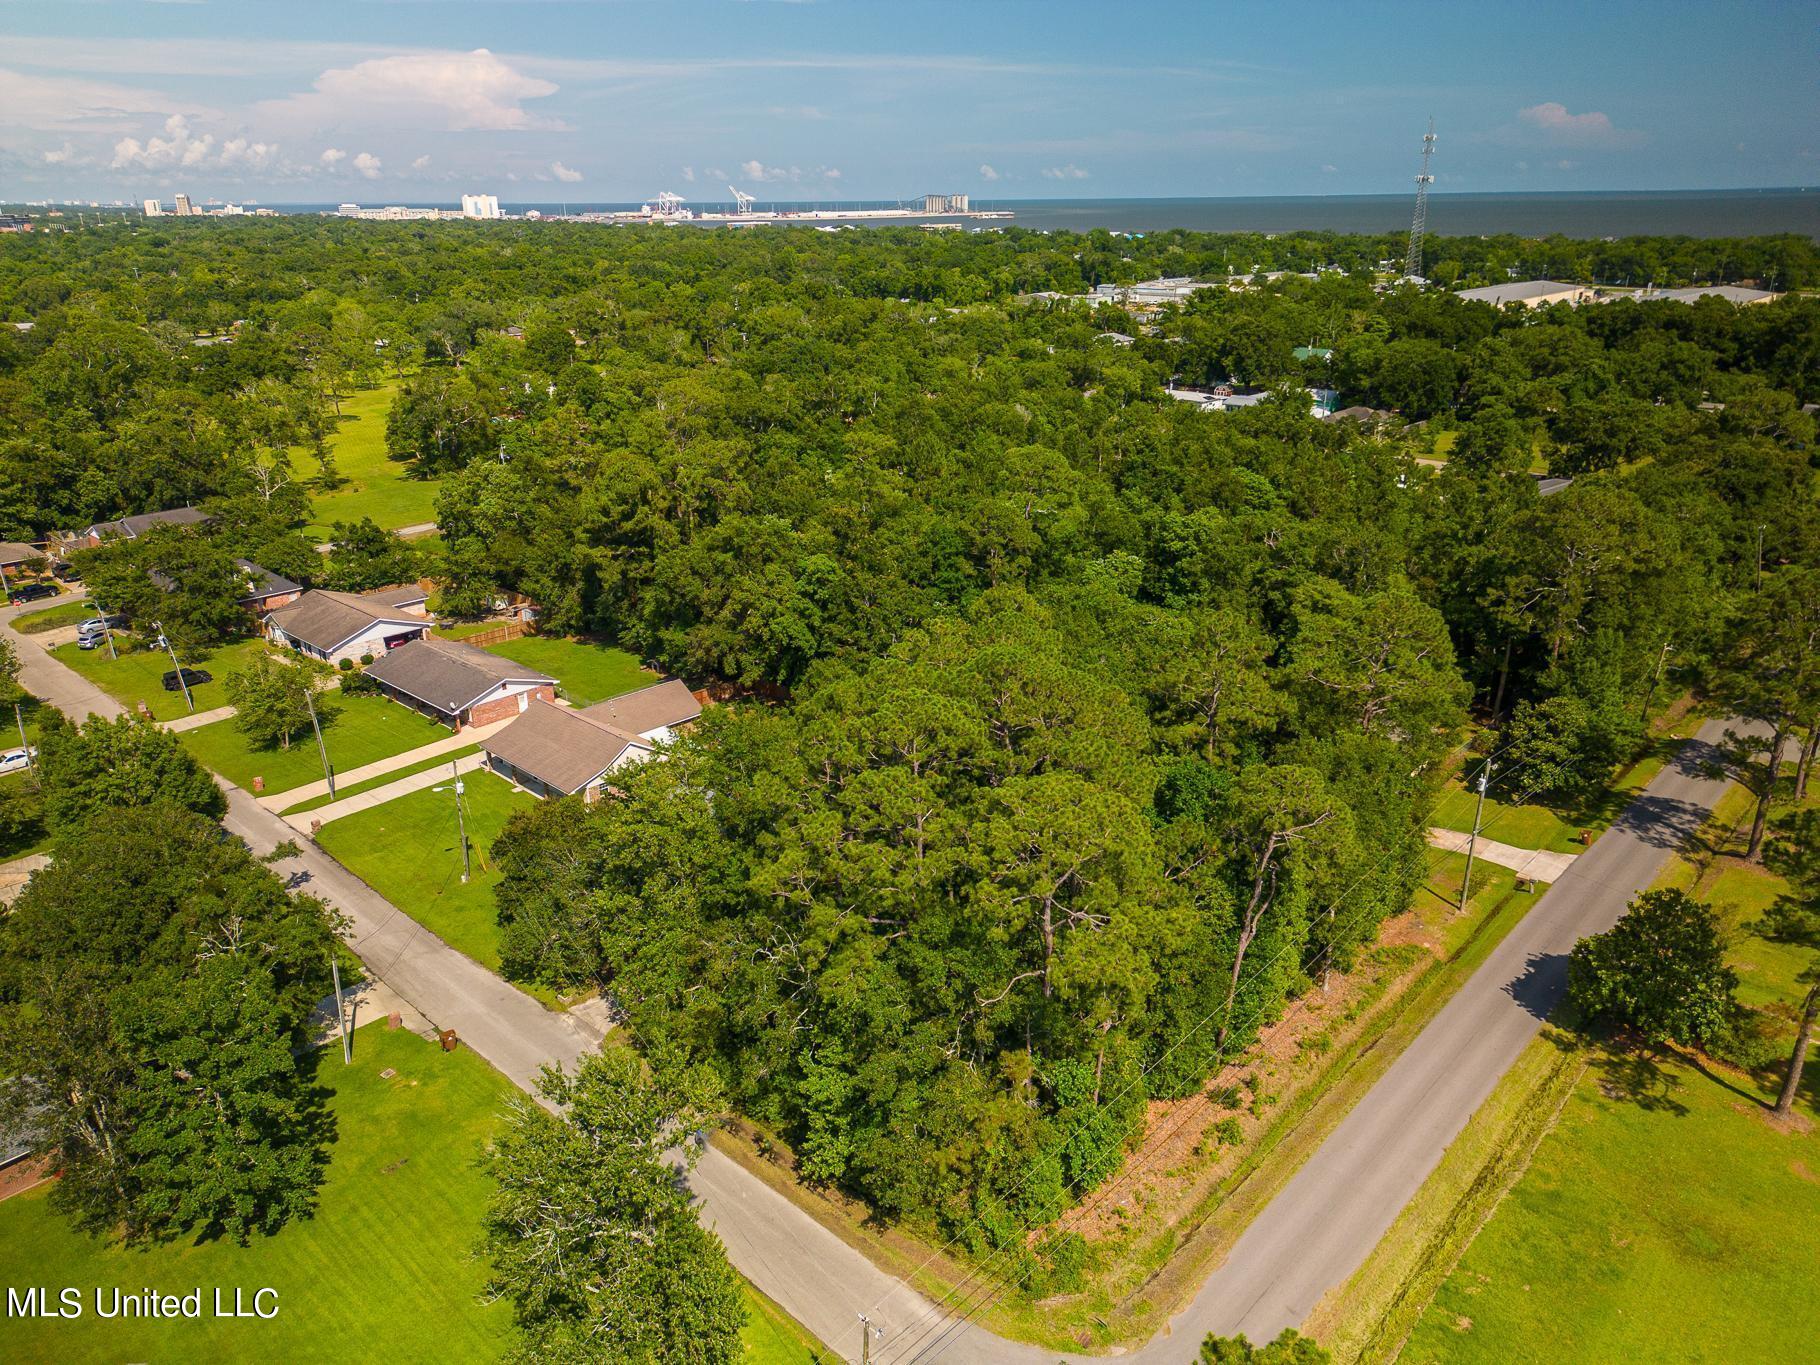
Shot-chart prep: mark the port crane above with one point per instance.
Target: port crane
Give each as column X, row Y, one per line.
column 741, row 198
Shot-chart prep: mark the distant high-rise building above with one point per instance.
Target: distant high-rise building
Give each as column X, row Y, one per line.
column 184, row 210
column 153, row 209
column 480, row 206
column 944, row 203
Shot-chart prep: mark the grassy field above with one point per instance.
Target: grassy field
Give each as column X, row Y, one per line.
column 64, row 613
column 1661, row 1219
column 376, row 486
column 463, row 630
column 384, row 779
column 409, row 851
column 384, row 1263
column 134, row 676
column 588, row 672
column 1662, row 1216
column 363, row 729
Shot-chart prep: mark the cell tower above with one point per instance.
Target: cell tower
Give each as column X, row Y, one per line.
column 1413, row 266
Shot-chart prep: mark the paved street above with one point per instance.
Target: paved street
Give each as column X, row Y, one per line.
column 1309, row 1239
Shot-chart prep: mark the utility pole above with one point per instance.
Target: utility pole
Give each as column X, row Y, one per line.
column 341, row 1015
column 866, row 1332
column 169, row 649
column 461, row 822
column 106, row 630
column 1472, row 844
column 1655, row 679
column 1760, row 531
column 328, row 773
column 19, row 720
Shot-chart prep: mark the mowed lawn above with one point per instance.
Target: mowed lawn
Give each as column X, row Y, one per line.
column 343, row 792
column 409, row 850
column 65, row 613
column 376, row 487
column 1662, row 1219
column 588, row 672
column 135, row 675
column 362, row 730
column 383, row 1271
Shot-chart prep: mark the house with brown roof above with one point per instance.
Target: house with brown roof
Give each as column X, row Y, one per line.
column 333, row 626
column 458, row 684
column 554, row 751
column 264, row 590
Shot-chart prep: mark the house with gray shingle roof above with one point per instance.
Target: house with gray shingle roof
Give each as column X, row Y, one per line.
column 459, row 684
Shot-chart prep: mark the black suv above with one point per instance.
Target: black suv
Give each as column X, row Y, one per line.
column 194, row 677
column 31, row 592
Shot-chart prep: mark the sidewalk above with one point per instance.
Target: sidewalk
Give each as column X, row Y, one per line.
column 309, row 791
column 201, row 718
column 1535, row 863
column 305, row 821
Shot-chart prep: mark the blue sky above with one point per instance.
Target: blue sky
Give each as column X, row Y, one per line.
column 863, row 99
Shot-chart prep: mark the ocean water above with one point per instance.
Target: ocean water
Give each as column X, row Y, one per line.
column 1694, row 213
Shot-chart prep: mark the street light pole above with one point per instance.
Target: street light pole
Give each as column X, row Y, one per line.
column 341, row 1015
column 169, row 649
column 322, row 751
column 1472, row 844
column 19, row 720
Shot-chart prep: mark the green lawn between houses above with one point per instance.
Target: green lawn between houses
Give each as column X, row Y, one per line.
column 135, row 675
column 409, row 851
column 587, row 672
column 377, row 486
column 362, row 730
column 383, row 1269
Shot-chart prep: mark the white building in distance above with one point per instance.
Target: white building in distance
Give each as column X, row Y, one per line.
column 154, row 209
column 480, row 206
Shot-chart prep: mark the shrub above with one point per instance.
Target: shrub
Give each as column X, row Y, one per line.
column 358, row 685
column 366, row 660
column 346, row 665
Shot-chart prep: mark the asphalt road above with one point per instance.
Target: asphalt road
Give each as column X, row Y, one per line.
column 1309, row 1239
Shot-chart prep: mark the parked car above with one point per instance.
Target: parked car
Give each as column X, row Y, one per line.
column 31, row 592
column 66, row 572
column 194, row 677
column 16, row 760
column 92, row 633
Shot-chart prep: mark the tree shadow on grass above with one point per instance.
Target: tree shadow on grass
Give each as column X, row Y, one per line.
column 1635, row 1077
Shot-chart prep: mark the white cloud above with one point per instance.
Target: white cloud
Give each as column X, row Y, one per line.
column 1329, row 169
column 58, row 156
column 331, row 155
column 987, row 173
column 1591, row 129
column 73, row 104
column 1068, row 172
column 757, row 170
column 422, row 163
column 564, row 173
column 713, row 173
column 240, row 151
column 812, row 112
column 457, row 92
column 831, row 173
column 178, row 147
column 368, row 165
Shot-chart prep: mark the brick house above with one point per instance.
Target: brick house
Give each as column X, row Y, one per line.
column 458, row 684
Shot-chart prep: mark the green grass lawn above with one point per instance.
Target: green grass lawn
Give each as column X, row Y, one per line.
column 463, row 630
column 363, row 730
column 773, row 1337
column 383, row 1270
column 134, row 676
column 588, row 672
column 376, row 487
column 410, row 852
column 1526, row 826
column 1661, row 1219
column 65, row 613
column 355, row 789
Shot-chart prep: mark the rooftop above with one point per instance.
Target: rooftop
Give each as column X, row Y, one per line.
column 324, row 619
column 563, row 749
column 669, row 702
column 447, row 674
